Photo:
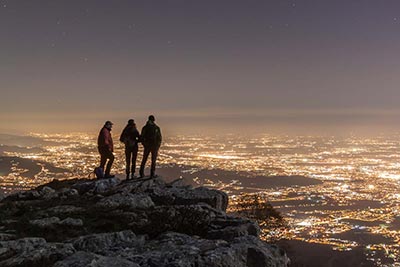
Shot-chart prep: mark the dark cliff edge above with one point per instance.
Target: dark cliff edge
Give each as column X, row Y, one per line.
column 145, row 222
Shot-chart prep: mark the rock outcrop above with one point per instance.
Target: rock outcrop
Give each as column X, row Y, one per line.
column 144, row 223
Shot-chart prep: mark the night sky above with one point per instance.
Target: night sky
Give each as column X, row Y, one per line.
column 200, row 66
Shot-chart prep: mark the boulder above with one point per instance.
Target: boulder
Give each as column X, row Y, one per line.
column 126, row 200
column 6, row 237
column 67, row 192
column 175, row 249
column 26, row 195
column 144, row 222
column 246, row 251
column 142, row 185
column 230, row 228
column 65, row 209
column 45, row 222
column 84, row 259
column 96, row 186
column 53, row 222
column 71, row 222
column 98, row 243
column 188, row 196
column 48, row 192
column 32, row 252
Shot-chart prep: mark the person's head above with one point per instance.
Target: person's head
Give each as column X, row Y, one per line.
column 108, row 125
column 131, row 122
column 151, row 118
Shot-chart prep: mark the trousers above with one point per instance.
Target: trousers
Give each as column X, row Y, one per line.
column 154, row 152
column 106, row 154
column 131, row 154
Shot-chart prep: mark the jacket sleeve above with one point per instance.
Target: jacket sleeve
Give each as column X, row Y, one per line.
column 137, row 135
column 159, row 137
column 142, row 134
column 122, row 136
column 107, row 139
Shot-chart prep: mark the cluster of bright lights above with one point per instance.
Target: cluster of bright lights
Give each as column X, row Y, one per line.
column 360, row 189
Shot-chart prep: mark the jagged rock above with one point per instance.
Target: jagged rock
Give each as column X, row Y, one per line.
column 32, row 252
column 99, row 243
column 95, row 186
column 144, row 222
column 172, row 249
column 46, row 222
column 138, row 186
column 230, row 228
column 27, row 195
column 6, row 253
column 48, row 192
column 84, row 259
column 6, row 237
column 68, row 192
column 53, row 222
column 175, row 249
column 187, row 196
column 71, row 222
column 178, row 183
column 9, row 222
column 193, row 219
column 24, row 244
column 127, row 200
column 247, row 251
column 65, row 209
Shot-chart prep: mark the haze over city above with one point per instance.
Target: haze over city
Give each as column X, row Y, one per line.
column 230, row 66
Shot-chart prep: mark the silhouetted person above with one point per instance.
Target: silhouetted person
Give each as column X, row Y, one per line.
column 151, row 140
column 106, row 148
column 130, row 136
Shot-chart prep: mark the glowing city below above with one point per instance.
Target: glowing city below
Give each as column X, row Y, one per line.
column 351, row 186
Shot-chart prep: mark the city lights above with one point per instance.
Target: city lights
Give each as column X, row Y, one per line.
column 356, row 193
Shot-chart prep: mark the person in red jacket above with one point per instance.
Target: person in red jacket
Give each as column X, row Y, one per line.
column 106, row 148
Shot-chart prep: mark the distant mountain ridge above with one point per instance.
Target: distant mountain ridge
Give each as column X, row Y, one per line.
column 22, row 140
column 18, row 149
column 32, row 166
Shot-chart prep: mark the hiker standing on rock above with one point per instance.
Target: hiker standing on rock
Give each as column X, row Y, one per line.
column 151, row 140
column 130, row 137
column 106, row 148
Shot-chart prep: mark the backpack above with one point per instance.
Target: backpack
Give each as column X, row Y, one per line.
column 128, row 136
column 151, row 135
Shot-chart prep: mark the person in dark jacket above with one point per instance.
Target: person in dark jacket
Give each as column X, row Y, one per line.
column 106, row 148
column 151, row 140
column 130, row 137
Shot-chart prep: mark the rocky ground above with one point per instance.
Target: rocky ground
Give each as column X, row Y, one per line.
column 144, row 222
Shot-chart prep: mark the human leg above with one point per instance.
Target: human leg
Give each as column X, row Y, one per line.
column 128, row 153
column 110, row 157
column 146, row 153
column 154, row 153
column 103, row 158
column 134, row 157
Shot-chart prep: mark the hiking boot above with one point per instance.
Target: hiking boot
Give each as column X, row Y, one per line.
column 127, row 176
column 109, row 176
column 153, row 176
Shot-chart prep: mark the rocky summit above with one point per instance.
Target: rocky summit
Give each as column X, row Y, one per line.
column 145, row 222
